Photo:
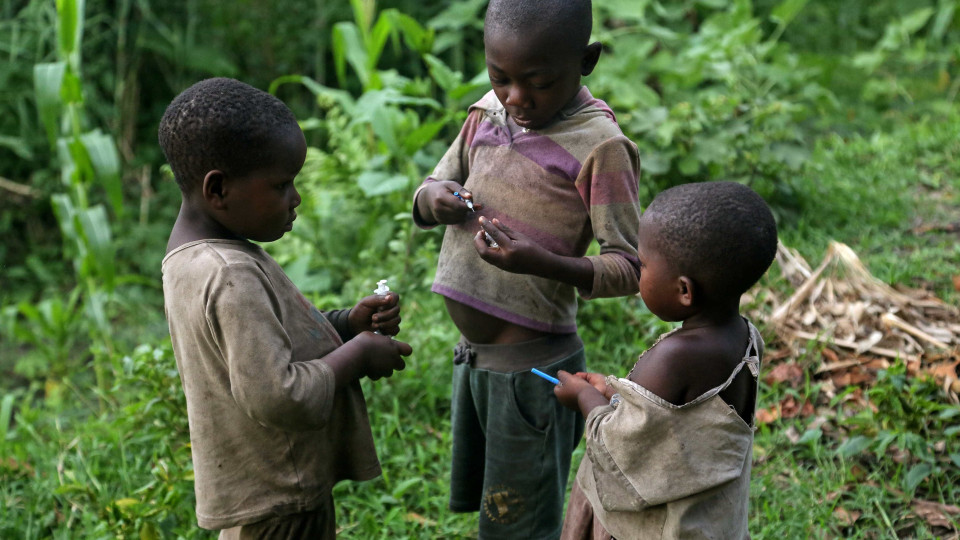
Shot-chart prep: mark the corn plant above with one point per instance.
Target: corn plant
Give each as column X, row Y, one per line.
column 89, row 163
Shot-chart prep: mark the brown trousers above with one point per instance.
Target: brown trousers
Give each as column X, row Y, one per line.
column 317, row 524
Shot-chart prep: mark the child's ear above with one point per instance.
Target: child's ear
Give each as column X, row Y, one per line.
column 214, row 189
column 591, row 55
column 686, row 290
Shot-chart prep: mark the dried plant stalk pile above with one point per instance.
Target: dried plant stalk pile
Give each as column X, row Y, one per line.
column 861, row 319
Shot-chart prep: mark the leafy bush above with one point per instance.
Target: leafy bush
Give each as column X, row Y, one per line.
column 707, row 94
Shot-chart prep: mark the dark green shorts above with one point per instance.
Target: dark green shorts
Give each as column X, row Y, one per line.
column 512, row 440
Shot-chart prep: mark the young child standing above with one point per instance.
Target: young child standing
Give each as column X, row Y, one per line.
column 539, row 170
column 274, row 403
column 669, row 447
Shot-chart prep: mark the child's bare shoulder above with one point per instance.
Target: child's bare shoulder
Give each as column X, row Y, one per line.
column 686, row 363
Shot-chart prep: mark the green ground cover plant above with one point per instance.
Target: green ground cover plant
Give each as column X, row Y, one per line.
column 842, row 115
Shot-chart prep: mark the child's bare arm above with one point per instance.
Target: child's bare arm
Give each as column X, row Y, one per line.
column 519, row 254
column 577, row 393
column 367, row 355
column 437, row 204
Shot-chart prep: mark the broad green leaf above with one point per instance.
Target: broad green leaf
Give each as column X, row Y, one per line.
column 480, row 80
column 416, row 37
column 423, row 134
column 710, row 149
column 47, row 81
column 96, row 300
column 809, row 436
column 917, row 474
column 943, row 20
column 853, row 446
column 375, row 183
column 955, row 458
column 384, row 122
column 17, row 145
column 445, row 77
column 786, row 11
column 688, row 165
column 6, row 415
column 655, row 162
column 106, row 165
column 323, row 93
column 348, row 47
column 69, row 26
column 791, row 155
column 916, row 20
column 95, row 226
column 83, row 172
column 63, row 209
column 377, row 39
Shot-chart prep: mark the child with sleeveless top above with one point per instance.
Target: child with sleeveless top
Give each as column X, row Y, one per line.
column 669, row 447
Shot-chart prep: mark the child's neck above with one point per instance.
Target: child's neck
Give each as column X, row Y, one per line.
column 720, row 314
column 193, row 224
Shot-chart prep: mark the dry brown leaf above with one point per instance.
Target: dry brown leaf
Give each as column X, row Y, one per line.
column 852, row 377
column 945, row 372
column 956, row 283
column 789, row 408
column 413, row 516
column 936, row 514
column 767, row 416
column 785, row 372
column 846, row 517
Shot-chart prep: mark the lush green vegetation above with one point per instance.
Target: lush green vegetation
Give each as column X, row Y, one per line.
column 842, row 114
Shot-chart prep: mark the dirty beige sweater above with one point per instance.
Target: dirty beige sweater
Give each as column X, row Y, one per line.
column 653, row 469
column 270, row 433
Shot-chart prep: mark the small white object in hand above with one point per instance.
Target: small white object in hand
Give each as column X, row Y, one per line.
column 381, row 290
column 490, row 241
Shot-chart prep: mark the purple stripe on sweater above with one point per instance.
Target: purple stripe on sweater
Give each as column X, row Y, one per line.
column 610, row 188
column 501, row 313
column 549, row 155
column 489, row 134
column 602, row 105
column 634, row 262
column 545, row 239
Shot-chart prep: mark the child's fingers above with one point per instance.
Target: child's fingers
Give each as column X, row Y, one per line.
column 404, row 349
column 495, row 229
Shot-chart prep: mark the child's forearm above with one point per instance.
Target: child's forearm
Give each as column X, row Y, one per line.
column 346, row 362
column 589, row 400
column 576, row 271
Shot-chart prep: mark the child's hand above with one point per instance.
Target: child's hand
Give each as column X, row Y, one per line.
column 376, row 312
column 597, row 380
column 515, row 253
column 381, row 355
column 577, row 393
column 438, row 201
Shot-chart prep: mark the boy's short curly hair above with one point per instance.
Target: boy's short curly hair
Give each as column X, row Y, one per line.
column 720, row 234
column 223, row 124
column 572, row 19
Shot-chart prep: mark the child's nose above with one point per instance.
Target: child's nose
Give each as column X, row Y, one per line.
column 517, row 97
column 295, row 201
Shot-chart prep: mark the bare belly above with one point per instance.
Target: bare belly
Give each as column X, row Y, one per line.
column 479, row 327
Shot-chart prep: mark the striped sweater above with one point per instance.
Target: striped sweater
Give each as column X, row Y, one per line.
column 562, row 186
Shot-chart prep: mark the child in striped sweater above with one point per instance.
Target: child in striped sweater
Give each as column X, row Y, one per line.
column 546, row 170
